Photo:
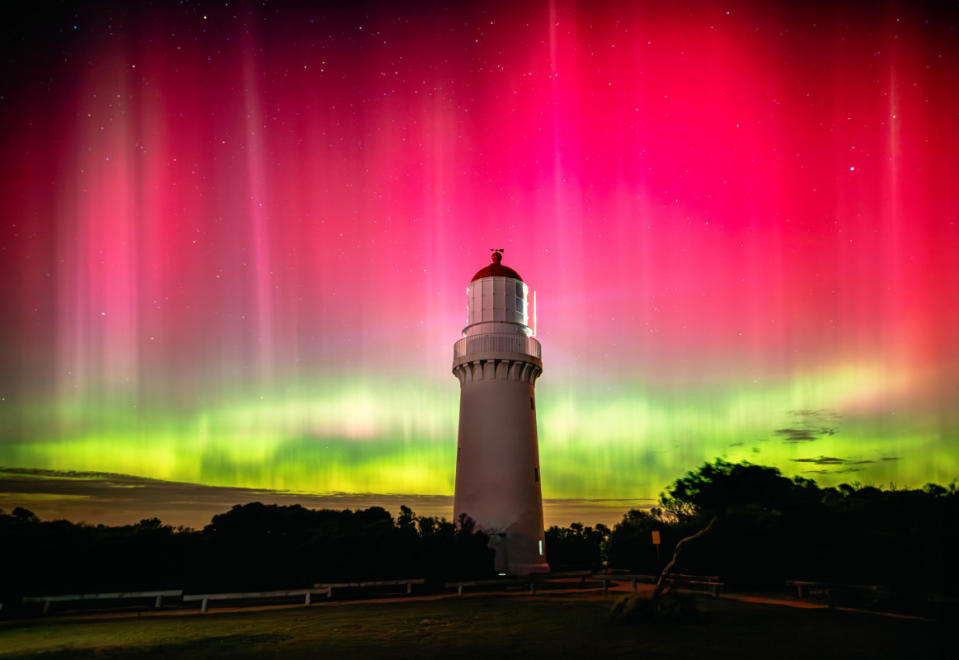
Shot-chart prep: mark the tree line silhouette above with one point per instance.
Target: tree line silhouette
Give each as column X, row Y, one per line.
column 769, row 528
column 763, row 528
column 251, row 547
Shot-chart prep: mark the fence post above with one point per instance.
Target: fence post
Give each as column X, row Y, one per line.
column 46, row 606
column 158, row 603
column 308, row 598
column 409, row 588
column 203, row 605
column 459, row 590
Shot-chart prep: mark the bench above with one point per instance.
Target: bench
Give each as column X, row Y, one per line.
column 710, row 581
column 503, row 582
column 679, row 579
column 559, row 575
column 250, row 595
column 530, row 580
column 606, row 578
column 834, row 592
column 803, row 585
column 690, row 576
column 562, row 575
column 374, row 583
column 158, row 597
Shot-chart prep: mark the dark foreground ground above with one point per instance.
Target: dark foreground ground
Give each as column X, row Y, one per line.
column 527, row 627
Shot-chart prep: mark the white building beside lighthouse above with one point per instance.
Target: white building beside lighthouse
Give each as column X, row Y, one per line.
column 497, row 362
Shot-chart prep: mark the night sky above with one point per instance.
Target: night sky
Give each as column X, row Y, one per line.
column 236, row 238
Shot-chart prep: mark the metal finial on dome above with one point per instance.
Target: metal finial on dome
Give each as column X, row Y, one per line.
column 496, row 269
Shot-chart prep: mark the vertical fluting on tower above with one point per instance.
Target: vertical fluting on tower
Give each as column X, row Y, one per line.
column 497, row 362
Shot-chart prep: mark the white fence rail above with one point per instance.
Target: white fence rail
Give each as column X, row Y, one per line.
column 158, row 597
column 205, row 599
column 409, row 582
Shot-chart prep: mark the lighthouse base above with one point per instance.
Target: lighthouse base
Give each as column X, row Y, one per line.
column 515, row 554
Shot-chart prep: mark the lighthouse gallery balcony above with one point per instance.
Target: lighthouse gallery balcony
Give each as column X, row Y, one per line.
column 497, row 343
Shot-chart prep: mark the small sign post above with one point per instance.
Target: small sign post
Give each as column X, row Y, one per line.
column 657, row 542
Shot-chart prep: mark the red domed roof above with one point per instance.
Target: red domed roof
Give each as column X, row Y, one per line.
column 496, row 269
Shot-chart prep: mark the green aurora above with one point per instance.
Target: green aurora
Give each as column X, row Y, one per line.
column 374, row 437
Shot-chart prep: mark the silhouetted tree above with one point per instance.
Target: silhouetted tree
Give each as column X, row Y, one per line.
column 630, row 542
column 24, row 515
column 769, row 528
column 575, row 547
column 251, row 546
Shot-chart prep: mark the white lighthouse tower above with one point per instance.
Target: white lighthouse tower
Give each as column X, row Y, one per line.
column 497, row 362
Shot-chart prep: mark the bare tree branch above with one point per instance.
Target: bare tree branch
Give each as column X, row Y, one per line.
column 661, row 583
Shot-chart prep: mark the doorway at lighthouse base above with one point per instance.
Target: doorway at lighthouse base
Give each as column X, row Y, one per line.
column 504, row 564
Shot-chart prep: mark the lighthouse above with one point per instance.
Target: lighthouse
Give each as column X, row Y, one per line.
column 497, row 362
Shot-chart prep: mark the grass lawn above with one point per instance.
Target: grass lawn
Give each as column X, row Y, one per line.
column 494, row 627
